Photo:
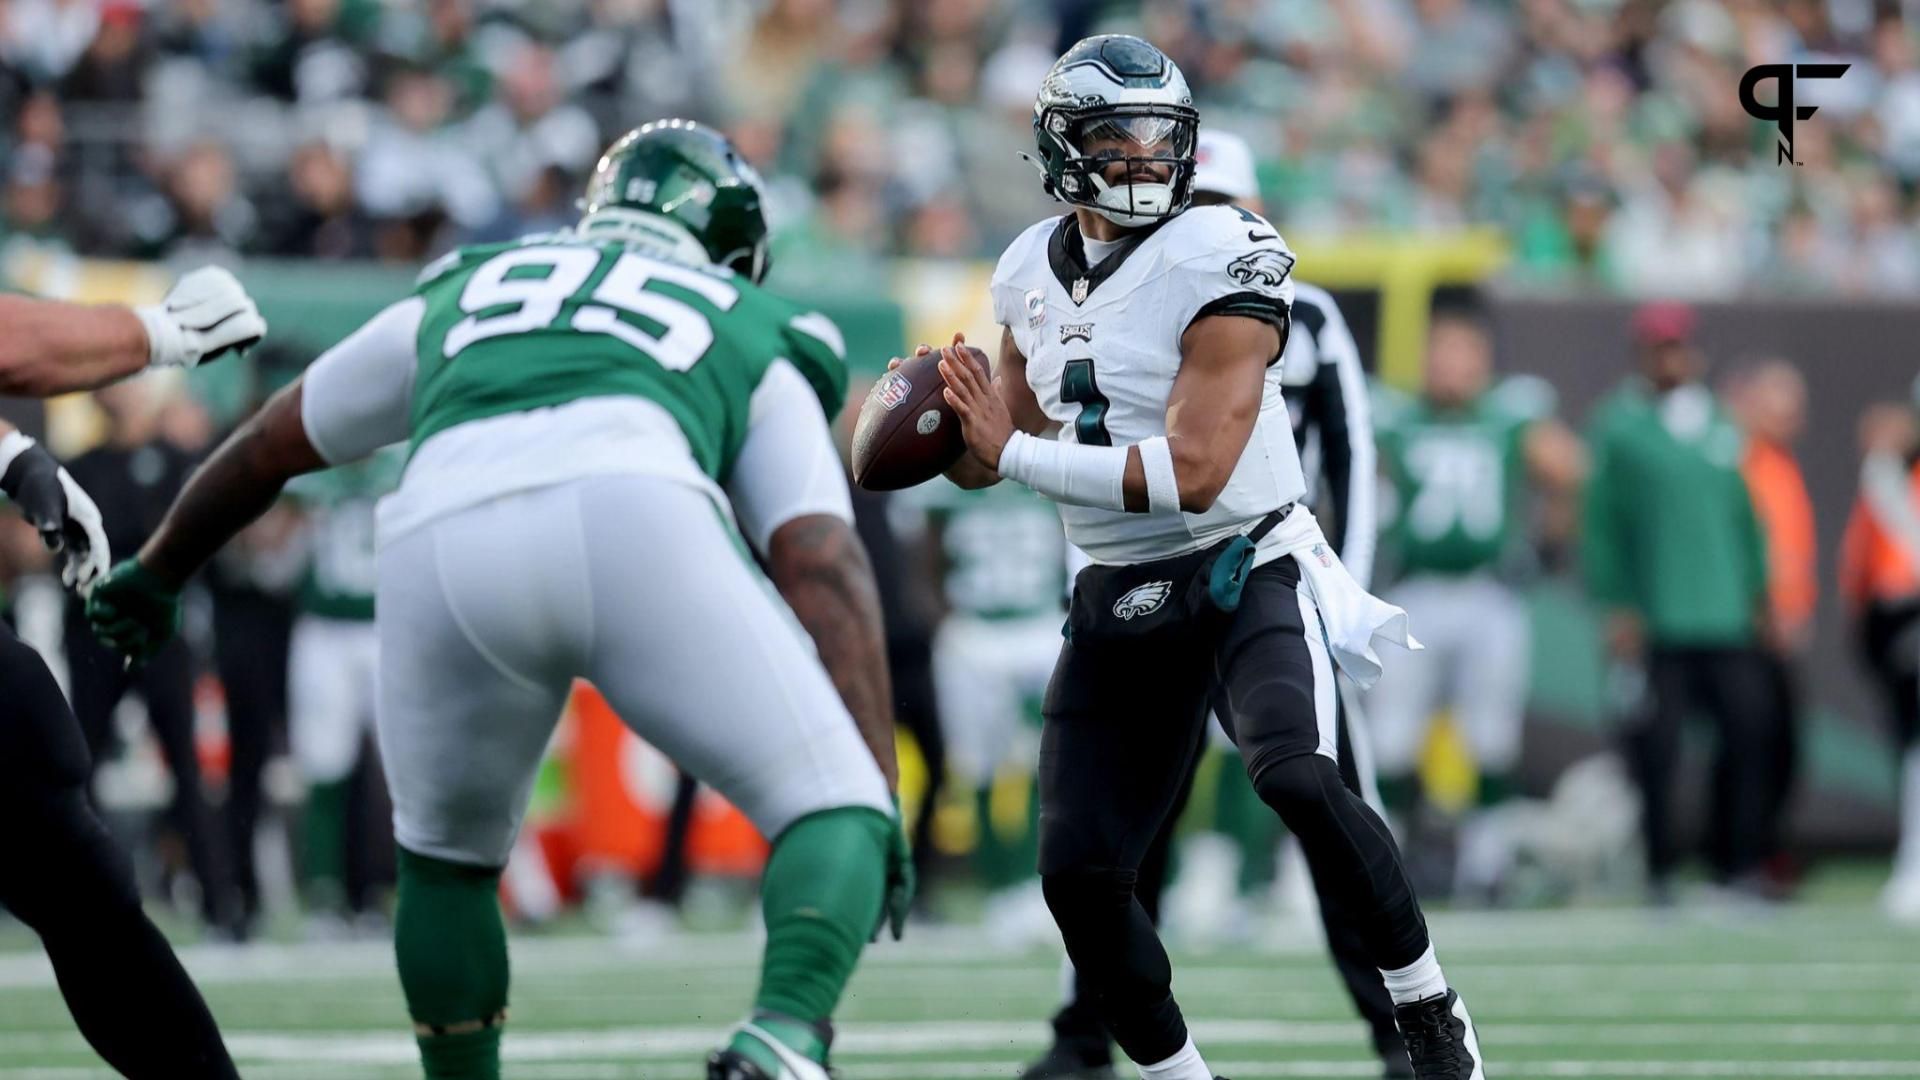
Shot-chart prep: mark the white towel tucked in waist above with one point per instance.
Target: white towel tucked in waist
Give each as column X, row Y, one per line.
column 1353, row 617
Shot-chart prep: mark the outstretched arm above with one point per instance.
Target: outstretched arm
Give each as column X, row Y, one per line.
column 352, row 401
column 49, row 347
column 235, row 486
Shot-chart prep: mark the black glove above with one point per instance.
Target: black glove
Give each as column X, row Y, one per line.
column 51, row 502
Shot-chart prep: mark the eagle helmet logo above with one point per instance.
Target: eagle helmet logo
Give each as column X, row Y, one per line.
column 1142, row 600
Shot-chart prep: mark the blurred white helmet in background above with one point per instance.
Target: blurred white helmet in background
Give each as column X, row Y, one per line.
column 1223, row 165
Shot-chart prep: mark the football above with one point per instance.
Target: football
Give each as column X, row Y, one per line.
column 907, row 434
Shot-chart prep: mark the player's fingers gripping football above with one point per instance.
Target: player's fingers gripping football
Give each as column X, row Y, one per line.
column 984, row 419
column 923, row 349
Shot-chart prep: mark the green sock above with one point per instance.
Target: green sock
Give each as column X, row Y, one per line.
column 324, row 836
column 452, row 950
column 822, row 894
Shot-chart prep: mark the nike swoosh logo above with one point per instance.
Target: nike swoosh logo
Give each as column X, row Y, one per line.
column 1257, row 237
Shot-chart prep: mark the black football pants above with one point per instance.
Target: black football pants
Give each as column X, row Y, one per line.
column 62, row 875
column 1077, row 1024
column 1124, row 726
column 1730, row 686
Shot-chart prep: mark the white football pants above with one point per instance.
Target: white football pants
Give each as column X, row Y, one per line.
column 635, row 583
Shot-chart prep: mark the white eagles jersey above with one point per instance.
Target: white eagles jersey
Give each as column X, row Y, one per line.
column 1103, row 346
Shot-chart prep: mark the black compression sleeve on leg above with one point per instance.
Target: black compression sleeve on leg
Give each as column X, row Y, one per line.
column 1354, row 861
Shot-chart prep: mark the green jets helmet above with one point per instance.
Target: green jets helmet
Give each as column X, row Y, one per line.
column 1106, row 94
column 682, row 188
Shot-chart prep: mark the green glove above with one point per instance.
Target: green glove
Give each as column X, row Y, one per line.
column 133, row 611
column 900, row 879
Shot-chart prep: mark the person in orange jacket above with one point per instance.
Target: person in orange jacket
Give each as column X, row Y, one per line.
column 1880, row 579
column 1769, row 400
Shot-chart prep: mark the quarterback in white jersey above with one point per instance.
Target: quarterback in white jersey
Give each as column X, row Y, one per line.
column 1137, row 387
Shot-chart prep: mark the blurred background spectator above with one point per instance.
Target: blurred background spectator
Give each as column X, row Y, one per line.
column 1604, row 138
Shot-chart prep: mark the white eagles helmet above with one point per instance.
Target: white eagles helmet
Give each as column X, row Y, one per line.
column 1116, row 89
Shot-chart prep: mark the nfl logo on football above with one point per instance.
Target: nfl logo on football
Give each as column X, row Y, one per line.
column 894, row 390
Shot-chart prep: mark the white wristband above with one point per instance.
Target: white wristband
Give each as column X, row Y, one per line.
column 1067, row 472
column 1163, row 487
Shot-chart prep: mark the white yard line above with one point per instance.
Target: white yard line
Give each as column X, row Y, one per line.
column 916, row 1038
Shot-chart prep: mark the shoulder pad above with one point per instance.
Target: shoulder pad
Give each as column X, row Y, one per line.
column 1021, row 251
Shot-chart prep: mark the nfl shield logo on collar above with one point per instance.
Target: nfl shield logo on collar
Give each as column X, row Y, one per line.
column 1036, row 307
column 1080, row 291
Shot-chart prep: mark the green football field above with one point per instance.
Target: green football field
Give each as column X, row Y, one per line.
column 1827, row 990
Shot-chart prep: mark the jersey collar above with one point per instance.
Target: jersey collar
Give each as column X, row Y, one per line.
column 1067, row 255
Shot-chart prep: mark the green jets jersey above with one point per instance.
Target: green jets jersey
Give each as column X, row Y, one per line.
column 1003, row 554
column 1457, row 474
column 340, row 578
column 557, row 318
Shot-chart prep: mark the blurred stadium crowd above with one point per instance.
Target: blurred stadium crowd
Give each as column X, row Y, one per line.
column 1604, row 137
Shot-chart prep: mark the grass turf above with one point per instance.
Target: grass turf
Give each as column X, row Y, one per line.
column 1820, row 990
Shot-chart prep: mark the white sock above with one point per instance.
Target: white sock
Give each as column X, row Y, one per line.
column 1417, row 981
column 1906, row 858
column 1185, row 1065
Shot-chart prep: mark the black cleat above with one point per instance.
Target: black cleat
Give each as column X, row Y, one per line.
column 1441, row 1042
column 1392, row 1050
column 1061, row 1062
column 732, row 1065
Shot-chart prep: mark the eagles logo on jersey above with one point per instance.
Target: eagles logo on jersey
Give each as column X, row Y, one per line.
column 1265, row 269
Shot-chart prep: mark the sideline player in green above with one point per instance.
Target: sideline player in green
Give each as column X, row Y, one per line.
column 591, row 412
column 333, row 667
column 1459, row 458
column 1002, row 572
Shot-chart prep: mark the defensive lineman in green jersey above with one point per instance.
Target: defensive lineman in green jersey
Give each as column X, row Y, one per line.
column 1458, row 459
column 333, row 665
column 590, row 416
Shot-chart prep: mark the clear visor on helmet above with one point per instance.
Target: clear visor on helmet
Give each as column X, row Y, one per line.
column 1136, row 136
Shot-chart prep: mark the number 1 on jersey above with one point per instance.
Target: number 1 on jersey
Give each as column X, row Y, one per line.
column 1078, row 386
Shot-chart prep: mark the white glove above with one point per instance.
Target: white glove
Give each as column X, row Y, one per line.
column 47, row 495
column 204, row 316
